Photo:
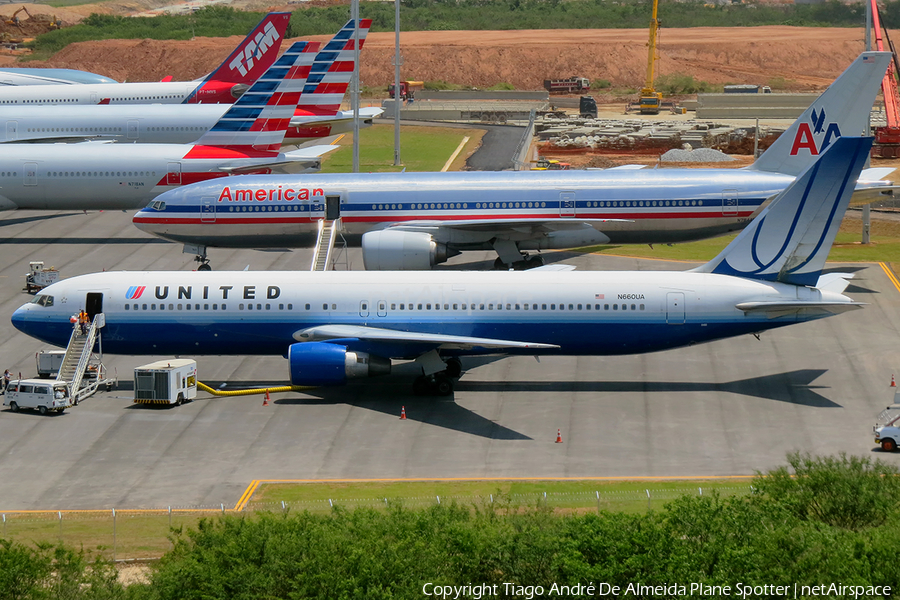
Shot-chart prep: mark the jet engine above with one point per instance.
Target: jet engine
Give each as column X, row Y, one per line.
column 392, row 250
column 321, row 363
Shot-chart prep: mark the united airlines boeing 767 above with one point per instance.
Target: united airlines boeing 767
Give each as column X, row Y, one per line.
column 336, row 325
column 416, row 220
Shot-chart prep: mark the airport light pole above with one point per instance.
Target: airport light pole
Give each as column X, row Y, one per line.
column 354, row 94
column 397, row 62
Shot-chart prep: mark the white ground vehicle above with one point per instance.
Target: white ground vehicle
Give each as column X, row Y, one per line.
column 39, row 277
column 40, row 394
column 172, row 381
column 49, row 362
column 887, row 426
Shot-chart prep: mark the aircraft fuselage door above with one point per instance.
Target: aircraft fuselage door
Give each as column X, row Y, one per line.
column 332, row 207
column 94, row 98
column 382, row 308
column 31, row 173
column 567, row 204
column 132, row 128
column 93, row 304
column 173, row 173
column 730, row 203
column 675, row 308
column 12, row 128
column 364, row 308
column 208, row 209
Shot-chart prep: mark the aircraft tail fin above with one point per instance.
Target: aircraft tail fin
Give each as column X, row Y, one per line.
column 246, row 63
column 330, row 74
column 842, row 109
column 259, row 119
column 790, row 239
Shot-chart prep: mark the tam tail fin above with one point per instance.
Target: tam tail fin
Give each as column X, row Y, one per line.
column 246, row 63
column 330, row 74
column 790, row 239
column 259, row 119
column 842, row 109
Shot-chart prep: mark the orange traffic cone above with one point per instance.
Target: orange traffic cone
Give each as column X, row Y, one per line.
column 893, row 383
column 402, row 413
column 558, row 437
column 266, row 400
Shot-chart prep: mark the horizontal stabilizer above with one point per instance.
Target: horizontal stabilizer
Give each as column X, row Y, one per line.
column 457, row 342
column 773, row 310
column 834, row 282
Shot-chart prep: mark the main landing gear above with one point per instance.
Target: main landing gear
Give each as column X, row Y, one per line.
column 510, row 257
column 439, row 383
column 528, row 261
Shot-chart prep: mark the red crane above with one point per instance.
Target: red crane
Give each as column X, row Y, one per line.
column 887, row 139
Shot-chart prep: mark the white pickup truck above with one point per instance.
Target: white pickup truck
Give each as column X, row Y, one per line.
column 887, row 426
column 40, row 394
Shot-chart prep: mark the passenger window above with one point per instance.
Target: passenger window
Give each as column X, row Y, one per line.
column 606, row 307
column 615, row 307
column 552, row 307
column 324, row 307
column 642, row 307
column 632, row 307
column 543, row 307
column 240, row 307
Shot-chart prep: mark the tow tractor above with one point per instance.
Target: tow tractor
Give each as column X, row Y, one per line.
column 887, row 426
column 39, row 277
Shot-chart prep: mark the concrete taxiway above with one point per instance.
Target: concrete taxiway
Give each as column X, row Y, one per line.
column 725, row 408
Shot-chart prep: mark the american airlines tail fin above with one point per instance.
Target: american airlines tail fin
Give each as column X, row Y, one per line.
column 245, row 64
column 258, row 120
column 330, row 74
column 790, row 239
column 842, row 109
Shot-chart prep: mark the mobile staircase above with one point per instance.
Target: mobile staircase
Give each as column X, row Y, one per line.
column 329, row 231
column 82, row 372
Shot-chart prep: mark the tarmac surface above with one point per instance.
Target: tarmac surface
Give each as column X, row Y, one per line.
column 725, row 408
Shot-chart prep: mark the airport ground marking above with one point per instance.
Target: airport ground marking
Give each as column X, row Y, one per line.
column 456, row 152
column 890, row 274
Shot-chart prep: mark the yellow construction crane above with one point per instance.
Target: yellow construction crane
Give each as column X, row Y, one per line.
column 650, row 98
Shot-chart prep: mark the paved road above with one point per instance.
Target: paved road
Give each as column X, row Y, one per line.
column 729, row 407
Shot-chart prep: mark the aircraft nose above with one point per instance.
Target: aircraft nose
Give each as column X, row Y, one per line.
column 20, row 318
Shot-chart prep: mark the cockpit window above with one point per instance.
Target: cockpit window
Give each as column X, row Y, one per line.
column 43, row 300
column 158, row 205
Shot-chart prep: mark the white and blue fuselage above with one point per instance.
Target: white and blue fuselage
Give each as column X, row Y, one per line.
column 265, row 313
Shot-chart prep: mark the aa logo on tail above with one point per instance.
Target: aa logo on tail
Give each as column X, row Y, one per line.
column 255, row 49
column 815, row 136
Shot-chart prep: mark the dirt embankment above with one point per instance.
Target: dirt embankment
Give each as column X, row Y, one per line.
column 808, row 58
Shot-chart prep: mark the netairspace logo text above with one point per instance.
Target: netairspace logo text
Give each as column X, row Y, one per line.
column 737, row 590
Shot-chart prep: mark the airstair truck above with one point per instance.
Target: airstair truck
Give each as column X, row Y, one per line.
column 887, row 426
column 172, row 381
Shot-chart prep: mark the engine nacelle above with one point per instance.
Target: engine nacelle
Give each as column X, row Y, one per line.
column 321, row 363
column 392, row 250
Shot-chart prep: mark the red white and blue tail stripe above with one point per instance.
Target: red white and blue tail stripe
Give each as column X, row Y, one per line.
column 331, row 72
column 258, row 120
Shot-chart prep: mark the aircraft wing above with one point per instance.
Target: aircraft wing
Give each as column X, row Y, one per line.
column 774, row 310
column 60, row 139
column 308, row 156
column 377, row 334
column 521, row 225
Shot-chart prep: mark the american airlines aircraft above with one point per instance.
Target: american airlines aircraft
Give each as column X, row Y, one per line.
column 318, row 113
column 336, row 325
column 102, row 175
column 243, row 66
column 416, row 220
